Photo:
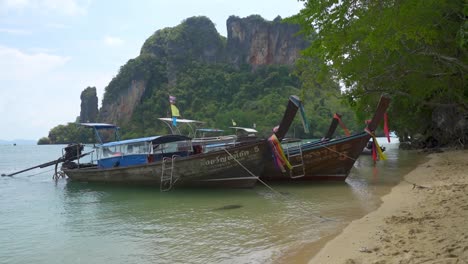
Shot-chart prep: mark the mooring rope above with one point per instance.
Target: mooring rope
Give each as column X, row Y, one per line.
column 30, row 175
column 271, row 188
column 251, row 173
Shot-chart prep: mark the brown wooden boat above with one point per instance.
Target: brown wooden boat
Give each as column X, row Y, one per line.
column 324, row 160
column 173, row 160
column 175, row 164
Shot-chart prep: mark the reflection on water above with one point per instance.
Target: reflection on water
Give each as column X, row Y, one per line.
column 69, row 222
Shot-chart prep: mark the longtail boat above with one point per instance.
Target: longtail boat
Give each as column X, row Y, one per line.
column 322, row 160
column 169, row 161
column 173, row 160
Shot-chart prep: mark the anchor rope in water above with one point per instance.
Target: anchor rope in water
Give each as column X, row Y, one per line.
column 269, row 187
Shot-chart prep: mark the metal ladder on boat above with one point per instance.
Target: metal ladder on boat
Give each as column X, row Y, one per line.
column 167, row 175
column 294, row 150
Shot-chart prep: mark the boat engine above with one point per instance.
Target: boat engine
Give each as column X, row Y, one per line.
column 73, row 151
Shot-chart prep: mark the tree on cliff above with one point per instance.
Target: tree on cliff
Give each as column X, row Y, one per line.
column 413, row 50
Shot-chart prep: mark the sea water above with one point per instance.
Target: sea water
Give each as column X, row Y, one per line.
column 47, row 221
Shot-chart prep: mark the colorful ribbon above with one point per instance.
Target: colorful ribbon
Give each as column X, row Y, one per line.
column 278, row 154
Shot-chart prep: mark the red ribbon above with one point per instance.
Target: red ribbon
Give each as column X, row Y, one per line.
column 374, row 152
column 386, row 131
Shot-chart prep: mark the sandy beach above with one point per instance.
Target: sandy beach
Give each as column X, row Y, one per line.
column 424, row 219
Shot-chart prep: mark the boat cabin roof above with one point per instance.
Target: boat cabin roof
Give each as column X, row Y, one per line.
column 180, row 120
column 154, row 139
column 99, row 125
column 246, row 129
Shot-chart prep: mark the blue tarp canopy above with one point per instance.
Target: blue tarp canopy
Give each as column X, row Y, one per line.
column 210, row 130
column 154, row 139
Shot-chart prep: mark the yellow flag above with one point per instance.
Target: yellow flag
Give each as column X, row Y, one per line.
column 174, row 110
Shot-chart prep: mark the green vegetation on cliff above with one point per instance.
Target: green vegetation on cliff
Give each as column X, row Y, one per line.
column 190, row 61
column 220, row 93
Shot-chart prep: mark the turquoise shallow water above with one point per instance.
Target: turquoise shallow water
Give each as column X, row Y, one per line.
column 43, row 221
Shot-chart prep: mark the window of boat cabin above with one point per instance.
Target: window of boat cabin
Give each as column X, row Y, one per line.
column 136, row 148
column 124, row 149
column 173, row 147
column 104, row 152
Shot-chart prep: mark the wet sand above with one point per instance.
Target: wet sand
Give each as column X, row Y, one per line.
column 424, row 219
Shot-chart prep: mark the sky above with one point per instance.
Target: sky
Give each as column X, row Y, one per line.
column 51, row 50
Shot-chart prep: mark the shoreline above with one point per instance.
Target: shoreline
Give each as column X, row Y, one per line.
column 421, row 220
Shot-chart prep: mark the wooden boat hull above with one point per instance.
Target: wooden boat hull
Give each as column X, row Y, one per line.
column 332, row 160
column 327, row 160
column 217, row 168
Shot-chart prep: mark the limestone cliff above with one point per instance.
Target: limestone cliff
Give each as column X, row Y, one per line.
column 255, row 41
column 169, row 51
column 89, row 105
column 120, row 111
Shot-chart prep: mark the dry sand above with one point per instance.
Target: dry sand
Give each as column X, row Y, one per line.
column 424, row 219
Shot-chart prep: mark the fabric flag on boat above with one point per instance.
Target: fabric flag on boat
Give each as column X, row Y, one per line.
column 233, row 122
column 174, row 110
column 172, row 99
column 175, row 113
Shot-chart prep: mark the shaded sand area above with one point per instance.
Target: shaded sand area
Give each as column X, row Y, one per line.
column 424, row 219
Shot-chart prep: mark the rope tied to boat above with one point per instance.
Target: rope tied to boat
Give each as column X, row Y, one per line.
column 251, row 173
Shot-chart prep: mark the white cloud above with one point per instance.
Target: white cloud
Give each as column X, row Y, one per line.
column 17, row 65
column 66, row 7
column 15, row 4
column 14, row 31
column 113, row 41
column 56, row 26
column 32, row 108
